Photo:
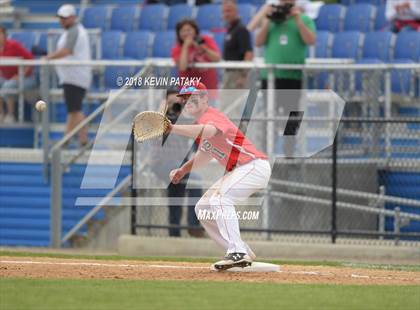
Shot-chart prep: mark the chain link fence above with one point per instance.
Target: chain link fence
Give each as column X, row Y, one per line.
column 341, row 191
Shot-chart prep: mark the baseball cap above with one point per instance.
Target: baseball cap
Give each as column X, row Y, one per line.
column 196, row 89
column 66, row 10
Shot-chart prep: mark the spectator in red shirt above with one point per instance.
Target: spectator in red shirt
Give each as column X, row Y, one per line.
column 9, row 79
column 191, row 47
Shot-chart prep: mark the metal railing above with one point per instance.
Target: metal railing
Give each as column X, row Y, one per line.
column 57, row 165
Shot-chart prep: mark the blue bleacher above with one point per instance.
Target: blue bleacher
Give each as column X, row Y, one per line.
column 323, row 44
column 330, row 17
column 401, row 184
column 378, row 45
column 25, row 208
column 209, row 17
column 111, row 44
column 123, row 18
column 26, row 38
column 256, row 3
column 346, row 45
column 401, row 80
column 407, row 46
column 246, row 12
column 153, row 17
column 358, row 74
column 96, row 17
column 137, row 44
column 120, row 2
column 373, row 2
column 40, row 25
column 178, row 12
column 359, row 17
column 17, row 137
column 43, row 6
column 111, row 75
column 219, row 38
column 163, row 43
column 380, row 20
column 43, row 41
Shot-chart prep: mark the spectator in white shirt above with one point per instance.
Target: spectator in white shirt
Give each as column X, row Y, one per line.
column 73, row 44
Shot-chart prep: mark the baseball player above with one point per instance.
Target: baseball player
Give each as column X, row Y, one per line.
column 247, row 171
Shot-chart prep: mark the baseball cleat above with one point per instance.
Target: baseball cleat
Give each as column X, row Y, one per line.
column 233, row 260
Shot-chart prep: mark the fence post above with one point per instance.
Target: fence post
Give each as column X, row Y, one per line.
column 21, row 98
column 133, row 211
column 388, row 112
column 381, row 215
column 45, row 118
column 334, row 192
column 397, row 222
column 56, row 199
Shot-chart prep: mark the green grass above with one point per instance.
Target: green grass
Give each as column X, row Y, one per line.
column 211, row 260
column 129, row 294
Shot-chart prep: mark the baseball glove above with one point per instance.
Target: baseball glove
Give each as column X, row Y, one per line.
column 149, row 125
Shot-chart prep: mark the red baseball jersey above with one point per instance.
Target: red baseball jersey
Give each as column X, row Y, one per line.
column 229, row 147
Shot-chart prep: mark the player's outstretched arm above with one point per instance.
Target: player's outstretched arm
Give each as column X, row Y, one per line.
column 200, row 159
column 193, row 131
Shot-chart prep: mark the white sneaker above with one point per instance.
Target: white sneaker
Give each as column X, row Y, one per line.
column 9, row 119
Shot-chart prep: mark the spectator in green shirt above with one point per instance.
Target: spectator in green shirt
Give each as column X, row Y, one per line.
column 285, row 43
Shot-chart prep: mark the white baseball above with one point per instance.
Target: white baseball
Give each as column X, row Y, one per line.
column 40, row 105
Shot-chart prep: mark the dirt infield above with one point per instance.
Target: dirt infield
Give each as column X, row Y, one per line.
column 60, row 268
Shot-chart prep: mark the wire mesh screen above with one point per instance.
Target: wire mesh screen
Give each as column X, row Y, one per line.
column 375, row 160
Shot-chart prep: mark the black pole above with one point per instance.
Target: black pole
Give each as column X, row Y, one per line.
column 133, row 213
column 334, row 192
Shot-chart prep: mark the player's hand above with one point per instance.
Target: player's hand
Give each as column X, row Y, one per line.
column 176, row 175
column 267, row 9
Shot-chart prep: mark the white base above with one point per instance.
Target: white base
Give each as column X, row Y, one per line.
column 255, row 267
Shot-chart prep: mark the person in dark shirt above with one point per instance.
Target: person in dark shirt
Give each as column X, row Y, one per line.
column 237, row 46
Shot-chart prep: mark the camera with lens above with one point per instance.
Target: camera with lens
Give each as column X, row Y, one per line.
column 199, row 40
column 174, row 111
column 280, row 12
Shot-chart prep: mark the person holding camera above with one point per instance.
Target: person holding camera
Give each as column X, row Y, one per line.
column 191, row 47
column 285, row 33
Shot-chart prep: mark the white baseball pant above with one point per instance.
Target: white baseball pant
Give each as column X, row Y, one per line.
column 220, row 199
